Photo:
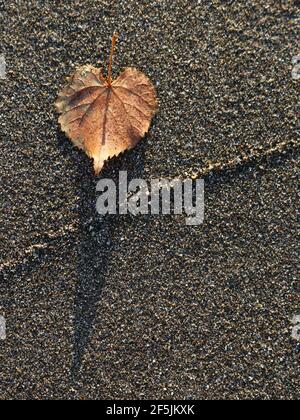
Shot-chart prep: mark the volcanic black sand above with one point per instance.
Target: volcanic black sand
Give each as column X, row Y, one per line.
column 147, row 307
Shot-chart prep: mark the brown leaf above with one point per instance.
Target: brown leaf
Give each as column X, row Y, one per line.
column 105, row 117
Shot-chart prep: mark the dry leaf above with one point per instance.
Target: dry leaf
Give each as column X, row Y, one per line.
column 105, row 117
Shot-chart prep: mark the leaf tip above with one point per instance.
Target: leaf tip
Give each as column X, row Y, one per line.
column 98, row 166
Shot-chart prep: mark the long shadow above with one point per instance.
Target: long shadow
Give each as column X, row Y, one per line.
column 93, row 254
column 97, row 235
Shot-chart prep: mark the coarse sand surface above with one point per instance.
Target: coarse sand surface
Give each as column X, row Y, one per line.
column 146, row 307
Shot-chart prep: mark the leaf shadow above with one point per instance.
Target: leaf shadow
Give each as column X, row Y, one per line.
column 98, row 237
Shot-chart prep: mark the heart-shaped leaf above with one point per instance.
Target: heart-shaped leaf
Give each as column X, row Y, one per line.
column 105, row 117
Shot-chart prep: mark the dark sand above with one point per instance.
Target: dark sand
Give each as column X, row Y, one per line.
column 146, row 307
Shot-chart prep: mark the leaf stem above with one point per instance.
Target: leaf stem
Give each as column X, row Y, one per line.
column 113, row 45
